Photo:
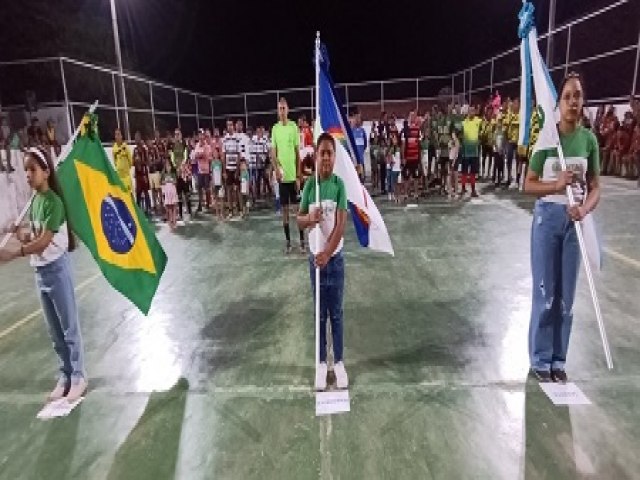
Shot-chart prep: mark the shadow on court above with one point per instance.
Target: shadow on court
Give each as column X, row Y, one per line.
column 152, row 447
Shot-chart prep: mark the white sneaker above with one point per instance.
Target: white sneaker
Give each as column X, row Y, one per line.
column 321, row 376
column 342, row 380
column 77, row 390
column 60, row 391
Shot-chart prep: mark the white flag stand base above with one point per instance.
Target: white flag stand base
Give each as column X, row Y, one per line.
column 332, row 402
column 58, row 408
column 568, row 394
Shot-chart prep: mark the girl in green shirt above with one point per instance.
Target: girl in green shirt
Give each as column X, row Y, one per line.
column 555, row 253
column 47, row 241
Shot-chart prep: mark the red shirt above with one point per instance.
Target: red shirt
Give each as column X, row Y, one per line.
column 412, row 147
column 635, row 142
column 623, row 140
column 306, row 137
column 608, row 129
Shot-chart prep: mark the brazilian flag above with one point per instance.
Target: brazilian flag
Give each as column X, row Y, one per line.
column 107, row 220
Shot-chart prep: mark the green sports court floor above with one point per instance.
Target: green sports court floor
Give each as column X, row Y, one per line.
column 216, row 382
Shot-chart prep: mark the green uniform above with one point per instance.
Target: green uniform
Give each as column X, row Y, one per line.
column 47, row 214
column 582, row 155
column 285, row 138
column 333, row 197
column 444, row 126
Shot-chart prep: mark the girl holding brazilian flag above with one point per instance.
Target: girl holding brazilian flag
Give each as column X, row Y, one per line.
column 85, row 195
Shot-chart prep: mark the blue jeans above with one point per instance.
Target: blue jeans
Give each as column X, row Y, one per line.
column 512, row 148
column 392, row 180
column 555, row 262
column 331, row 293
column 55, row 286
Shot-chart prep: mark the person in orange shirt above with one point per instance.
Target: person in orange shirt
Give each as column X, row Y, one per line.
column 608, row 128
column 631, row 161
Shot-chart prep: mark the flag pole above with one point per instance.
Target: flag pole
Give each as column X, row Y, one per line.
column 317, row 233
column 577, row 224
column 587, row 266
column 63, row 153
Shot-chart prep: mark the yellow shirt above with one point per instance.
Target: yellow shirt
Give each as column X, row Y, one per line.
column 486, row 131
column 123, row 162
column 512, row 123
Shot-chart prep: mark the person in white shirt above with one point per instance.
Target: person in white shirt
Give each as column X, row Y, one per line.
column 231, row 162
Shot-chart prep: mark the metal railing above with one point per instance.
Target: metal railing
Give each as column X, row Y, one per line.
column 604, row 45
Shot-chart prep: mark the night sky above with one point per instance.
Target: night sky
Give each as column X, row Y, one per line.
column 215, row 47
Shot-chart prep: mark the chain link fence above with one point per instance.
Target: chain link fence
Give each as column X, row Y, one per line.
column 603, row 45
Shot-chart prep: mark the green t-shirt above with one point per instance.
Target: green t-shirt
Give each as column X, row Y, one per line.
column 444, row 126
column 582, row 154
column 285, row 138
column 333, row 197
column 456, row 121
column 47, row 214
column 178, row 154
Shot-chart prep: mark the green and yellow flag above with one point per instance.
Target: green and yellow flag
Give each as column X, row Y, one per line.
column 107, row 220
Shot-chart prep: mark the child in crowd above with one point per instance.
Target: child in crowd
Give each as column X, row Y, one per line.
column 218, row 200
column 244, row 188
column 170, row 193
column 454, row 162
column 499, row 145
column 394, row 168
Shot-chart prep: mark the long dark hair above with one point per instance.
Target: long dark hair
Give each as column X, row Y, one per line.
column 45, row 163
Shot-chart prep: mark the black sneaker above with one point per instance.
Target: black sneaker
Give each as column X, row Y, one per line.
column 559, row 376
column 543, row 376
column 474, row 194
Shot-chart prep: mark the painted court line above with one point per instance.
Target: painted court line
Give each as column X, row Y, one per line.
column 623, row 258
column 38, row 312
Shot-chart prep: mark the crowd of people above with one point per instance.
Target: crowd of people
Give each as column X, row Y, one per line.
column 446, row 149
column 441, row 152
column 228, row 173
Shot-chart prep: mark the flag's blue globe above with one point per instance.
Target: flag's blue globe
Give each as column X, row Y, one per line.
column 118, row 224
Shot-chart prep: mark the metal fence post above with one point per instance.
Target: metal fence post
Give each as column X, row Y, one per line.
column 177, row 108
column 195, row 99
column 213, row 123
column 382, row 96
column 346, row 96
column 66, row 99
column 417, row 95
column 470, row 84
column 567, row 53
column 453, row 87
column 153, row 110
column 634, row 87
column 491, row 79
column 246, row 113
column 115, row 100
column 464, row 84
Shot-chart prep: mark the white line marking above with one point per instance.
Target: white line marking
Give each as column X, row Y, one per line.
column 623, row 258
column 36, row 313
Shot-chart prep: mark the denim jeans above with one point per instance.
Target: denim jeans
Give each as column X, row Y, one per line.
column 512, row 149
column 555, row 262
column 55, row 286
column 331, row 293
